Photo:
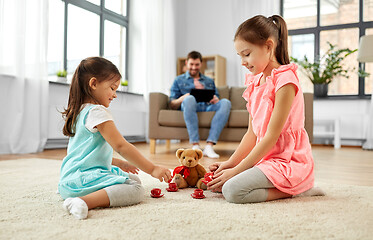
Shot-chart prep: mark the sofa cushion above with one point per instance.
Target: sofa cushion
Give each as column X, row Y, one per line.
column 238, row 102
column 175, row 118
column 238, row 119
column 223, row 92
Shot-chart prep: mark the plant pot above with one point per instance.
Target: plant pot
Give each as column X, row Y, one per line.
column 61, row 79
column 320, row 90
column 123, row 88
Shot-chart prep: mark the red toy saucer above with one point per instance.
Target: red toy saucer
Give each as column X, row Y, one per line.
column 197, row 197
column 172, row 190
column 156, row 196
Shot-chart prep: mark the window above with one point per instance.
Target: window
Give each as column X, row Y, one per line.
column 313, row 23
column 85, row 28
column 343, row 85
column 369, row 65
column 115, row 42
column 300, row 46
column 83, row 36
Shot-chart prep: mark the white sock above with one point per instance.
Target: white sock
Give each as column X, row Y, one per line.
column 77, row 207
column 315, row 191
column 209, row 152
column 196, row 146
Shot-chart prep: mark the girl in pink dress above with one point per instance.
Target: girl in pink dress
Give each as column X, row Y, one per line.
column 274, row 158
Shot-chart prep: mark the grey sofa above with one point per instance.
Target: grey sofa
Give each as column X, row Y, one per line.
column 168, row 124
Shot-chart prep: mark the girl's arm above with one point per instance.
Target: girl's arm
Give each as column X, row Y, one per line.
column 111, row 134
column 246, row 145
column 125, row 165
column 284, row 100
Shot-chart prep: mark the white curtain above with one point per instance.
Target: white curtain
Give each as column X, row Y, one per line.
column 368, row 144
column 152, row 67
column 23, row 75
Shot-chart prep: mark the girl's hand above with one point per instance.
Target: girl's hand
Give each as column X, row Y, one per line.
column 220, row 166
column 220, row 178
column 163, row 174
column 128, row 167
column 213, row 167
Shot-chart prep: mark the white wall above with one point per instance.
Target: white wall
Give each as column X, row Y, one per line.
column 128, row 111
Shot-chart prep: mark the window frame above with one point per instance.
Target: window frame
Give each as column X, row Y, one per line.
column 361, row 25
column 104, row 14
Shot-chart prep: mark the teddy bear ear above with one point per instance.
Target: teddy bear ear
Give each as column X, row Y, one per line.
column 179, row 152
column 199, row 153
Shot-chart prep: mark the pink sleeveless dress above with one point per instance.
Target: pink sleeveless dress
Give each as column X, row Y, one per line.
column 289, row 164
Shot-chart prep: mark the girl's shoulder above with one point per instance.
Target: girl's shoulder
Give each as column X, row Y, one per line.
column 96, row 109
column 284, row 70
column 285, row 74
column 97, row 114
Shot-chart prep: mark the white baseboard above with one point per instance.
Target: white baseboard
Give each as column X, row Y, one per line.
column 57, row 143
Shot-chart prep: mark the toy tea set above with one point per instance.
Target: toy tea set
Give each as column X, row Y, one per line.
column 189, row 174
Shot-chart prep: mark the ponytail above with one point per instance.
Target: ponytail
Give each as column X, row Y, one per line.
column 258, row 29
column 281, row 51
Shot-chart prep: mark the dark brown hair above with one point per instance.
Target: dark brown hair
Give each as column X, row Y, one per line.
column 80, row 91
column 194, row 55
column 258, row 29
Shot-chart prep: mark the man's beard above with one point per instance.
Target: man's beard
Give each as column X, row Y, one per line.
column 194, row 73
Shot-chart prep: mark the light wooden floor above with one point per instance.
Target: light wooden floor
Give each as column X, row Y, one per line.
column 348, row 165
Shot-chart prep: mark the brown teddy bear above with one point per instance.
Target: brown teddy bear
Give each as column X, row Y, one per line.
column 190, row 173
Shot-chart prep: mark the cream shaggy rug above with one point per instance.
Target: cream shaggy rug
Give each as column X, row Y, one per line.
column 31, row 209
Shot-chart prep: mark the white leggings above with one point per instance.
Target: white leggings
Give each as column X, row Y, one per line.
column 129, row 193
column 250, row 186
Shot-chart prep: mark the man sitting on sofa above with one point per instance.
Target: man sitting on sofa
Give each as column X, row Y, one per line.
column 182, row 99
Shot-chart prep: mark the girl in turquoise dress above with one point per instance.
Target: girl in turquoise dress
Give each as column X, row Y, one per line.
column 90, row 176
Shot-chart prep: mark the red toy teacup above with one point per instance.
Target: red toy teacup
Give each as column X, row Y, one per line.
column 156, row 193
column 208, row 177
column 198, row 193
column 172, row 187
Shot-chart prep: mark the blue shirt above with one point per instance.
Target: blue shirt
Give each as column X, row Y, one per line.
column 184, row 83
column 87, row 167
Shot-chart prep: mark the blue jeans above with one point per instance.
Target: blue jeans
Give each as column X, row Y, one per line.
column 190, row 107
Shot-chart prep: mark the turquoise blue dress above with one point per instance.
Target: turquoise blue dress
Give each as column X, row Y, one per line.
column 87, row 167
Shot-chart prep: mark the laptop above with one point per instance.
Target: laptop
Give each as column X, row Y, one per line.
column 202, row 95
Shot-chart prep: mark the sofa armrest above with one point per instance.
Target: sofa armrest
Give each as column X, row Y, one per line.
column 157, row 102
column 308, row 110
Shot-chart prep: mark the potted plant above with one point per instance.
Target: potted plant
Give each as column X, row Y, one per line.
column 61, row 76
column 124, row 86
column 325, row 69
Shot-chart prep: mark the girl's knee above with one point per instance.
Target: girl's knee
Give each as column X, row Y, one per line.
column 232, row 192
column 135, row 196
column 139, row 194
column 121, row 195
column 135, row 178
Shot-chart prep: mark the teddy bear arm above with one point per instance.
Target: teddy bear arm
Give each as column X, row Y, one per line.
column 201, row 171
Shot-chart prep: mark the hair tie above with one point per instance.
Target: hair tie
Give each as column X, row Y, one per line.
column 272, row 19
